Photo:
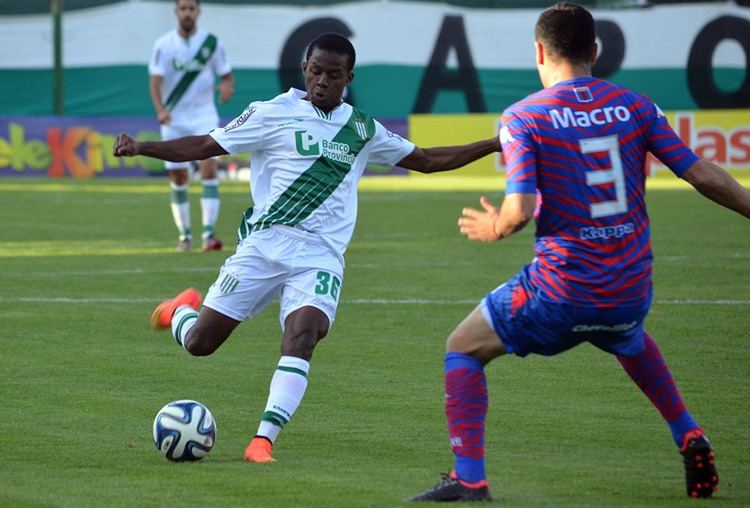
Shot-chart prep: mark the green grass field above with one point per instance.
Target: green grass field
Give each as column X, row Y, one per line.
column 83, row 264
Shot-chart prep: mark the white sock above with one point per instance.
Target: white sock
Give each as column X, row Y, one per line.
column 287, row 389
column 210, row 206
column 180, row 209
column 183, row 319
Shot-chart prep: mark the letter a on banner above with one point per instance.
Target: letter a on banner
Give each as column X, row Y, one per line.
column 437, row 77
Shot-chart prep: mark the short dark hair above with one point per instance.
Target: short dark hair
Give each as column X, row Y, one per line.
column 567, row 30
column 335, row 43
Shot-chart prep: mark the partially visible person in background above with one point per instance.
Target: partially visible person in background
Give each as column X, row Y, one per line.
column 182, row 74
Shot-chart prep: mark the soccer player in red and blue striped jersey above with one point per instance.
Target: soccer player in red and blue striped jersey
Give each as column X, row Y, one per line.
column 575, row 154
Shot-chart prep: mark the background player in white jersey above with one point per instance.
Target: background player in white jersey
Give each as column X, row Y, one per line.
column 184, row 65
column 309, row 151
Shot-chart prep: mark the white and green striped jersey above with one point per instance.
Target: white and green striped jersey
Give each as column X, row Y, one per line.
column 306, row 163
column 189, row 68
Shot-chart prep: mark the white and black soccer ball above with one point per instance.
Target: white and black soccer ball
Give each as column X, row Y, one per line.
column 184, row 430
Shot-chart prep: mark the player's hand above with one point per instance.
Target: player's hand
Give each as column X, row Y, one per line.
column 479, row 225
column 125, row 145
column 226, row 90
column 164, row 117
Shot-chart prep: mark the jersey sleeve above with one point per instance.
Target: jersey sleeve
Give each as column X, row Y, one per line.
column 519, row 153
column 664, row 143
column 388, row 148
column 158, row 61
column 244, row 133
column 220, row 62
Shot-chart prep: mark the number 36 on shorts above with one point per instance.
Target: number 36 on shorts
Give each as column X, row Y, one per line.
column 328, row 284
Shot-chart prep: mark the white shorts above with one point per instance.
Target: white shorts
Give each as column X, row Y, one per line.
column 196, row 128
column 296, row 266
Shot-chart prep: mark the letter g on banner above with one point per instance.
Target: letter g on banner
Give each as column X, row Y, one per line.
column 700, row 76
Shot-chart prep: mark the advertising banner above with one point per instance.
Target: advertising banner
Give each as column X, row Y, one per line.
column 412, row 57
column 721, row 136
column 81, row 147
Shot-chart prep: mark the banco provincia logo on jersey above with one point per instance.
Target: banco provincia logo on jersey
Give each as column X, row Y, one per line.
column 193, row 65
column 308, row 146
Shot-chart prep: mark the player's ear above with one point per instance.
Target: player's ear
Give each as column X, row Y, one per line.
column 304, row 66
column 594, row 53
column 539, row 47
column 350, row 78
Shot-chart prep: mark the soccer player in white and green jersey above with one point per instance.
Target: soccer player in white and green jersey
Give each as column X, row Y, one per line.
column 184, row 65
column 309, row 151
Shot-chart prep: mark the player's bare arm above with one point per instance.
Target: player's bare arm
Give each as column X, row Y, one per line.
column 445, row 158
column 188, row 148
column 226, row 88
column 719, row 186
column 154, row 89
column 495, row 223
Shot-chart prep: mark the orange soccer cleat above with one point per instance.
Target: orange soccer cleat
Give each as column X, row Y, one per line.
column 259, row 450
column 162, row 315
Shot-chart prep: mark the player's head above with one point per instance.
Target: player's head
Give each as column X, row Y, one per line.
column 328, row 69
column 187, row 12
column 567, row 34
column 335, row 43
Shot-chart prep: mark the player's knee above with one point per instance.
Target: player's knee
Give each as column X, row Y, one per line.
column 456, row 343
column 483, row 349
column 302, row 344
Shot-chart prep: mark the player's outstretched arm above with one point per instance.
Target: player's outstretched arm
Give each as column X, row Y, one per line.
column 494, row 222
column 719, row 186
column 188, row 148
column 445, row 158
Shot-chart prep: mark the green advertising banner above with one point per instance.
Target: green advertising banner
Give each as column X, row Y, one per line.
column 412, row 57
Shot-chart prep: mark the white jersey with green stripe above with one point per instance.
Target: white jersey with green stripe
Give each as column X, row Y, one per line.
column 172, row 57
column 306, row 163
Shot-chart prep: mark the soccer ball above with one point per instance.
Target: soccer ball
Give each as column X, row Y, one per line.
column 184, row 430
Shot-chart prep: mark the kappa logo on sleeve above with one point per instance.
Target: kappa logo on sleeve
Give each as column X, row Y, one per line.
column 240, row 119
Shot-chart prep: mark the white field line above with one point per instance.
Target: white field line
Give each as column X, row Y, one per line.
column 359, row 266
column 360, row 301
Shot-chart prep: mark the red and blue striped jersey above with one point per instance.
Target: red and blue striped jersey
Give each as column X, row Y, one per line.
column 581, row 145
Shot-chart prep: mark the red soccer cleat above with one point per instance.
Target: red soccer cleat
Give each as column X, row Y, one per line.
column 162, row 315
column 211, row 243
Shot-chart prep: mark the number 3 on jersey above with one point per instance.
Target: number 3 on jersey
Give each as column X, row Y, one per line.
column 327, row 285
column 611, row 175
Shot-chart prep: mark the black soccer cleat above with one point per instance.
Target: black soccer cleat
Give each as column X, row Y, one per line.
column 450, row 489
column 701, row 476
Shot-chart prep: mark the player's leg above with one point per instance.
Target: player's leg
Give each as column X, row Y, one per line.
column 199, row 333
column 649, row 370
column 202, row 333
column 180, row 205
column 210, row 204
column 309, row 300
column 246, row 284
column 179, row 177
column 303, row 329
column 469, row 347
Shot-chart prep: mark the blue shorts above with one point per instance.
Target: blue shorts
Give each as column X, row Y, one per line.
column 527, row 323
